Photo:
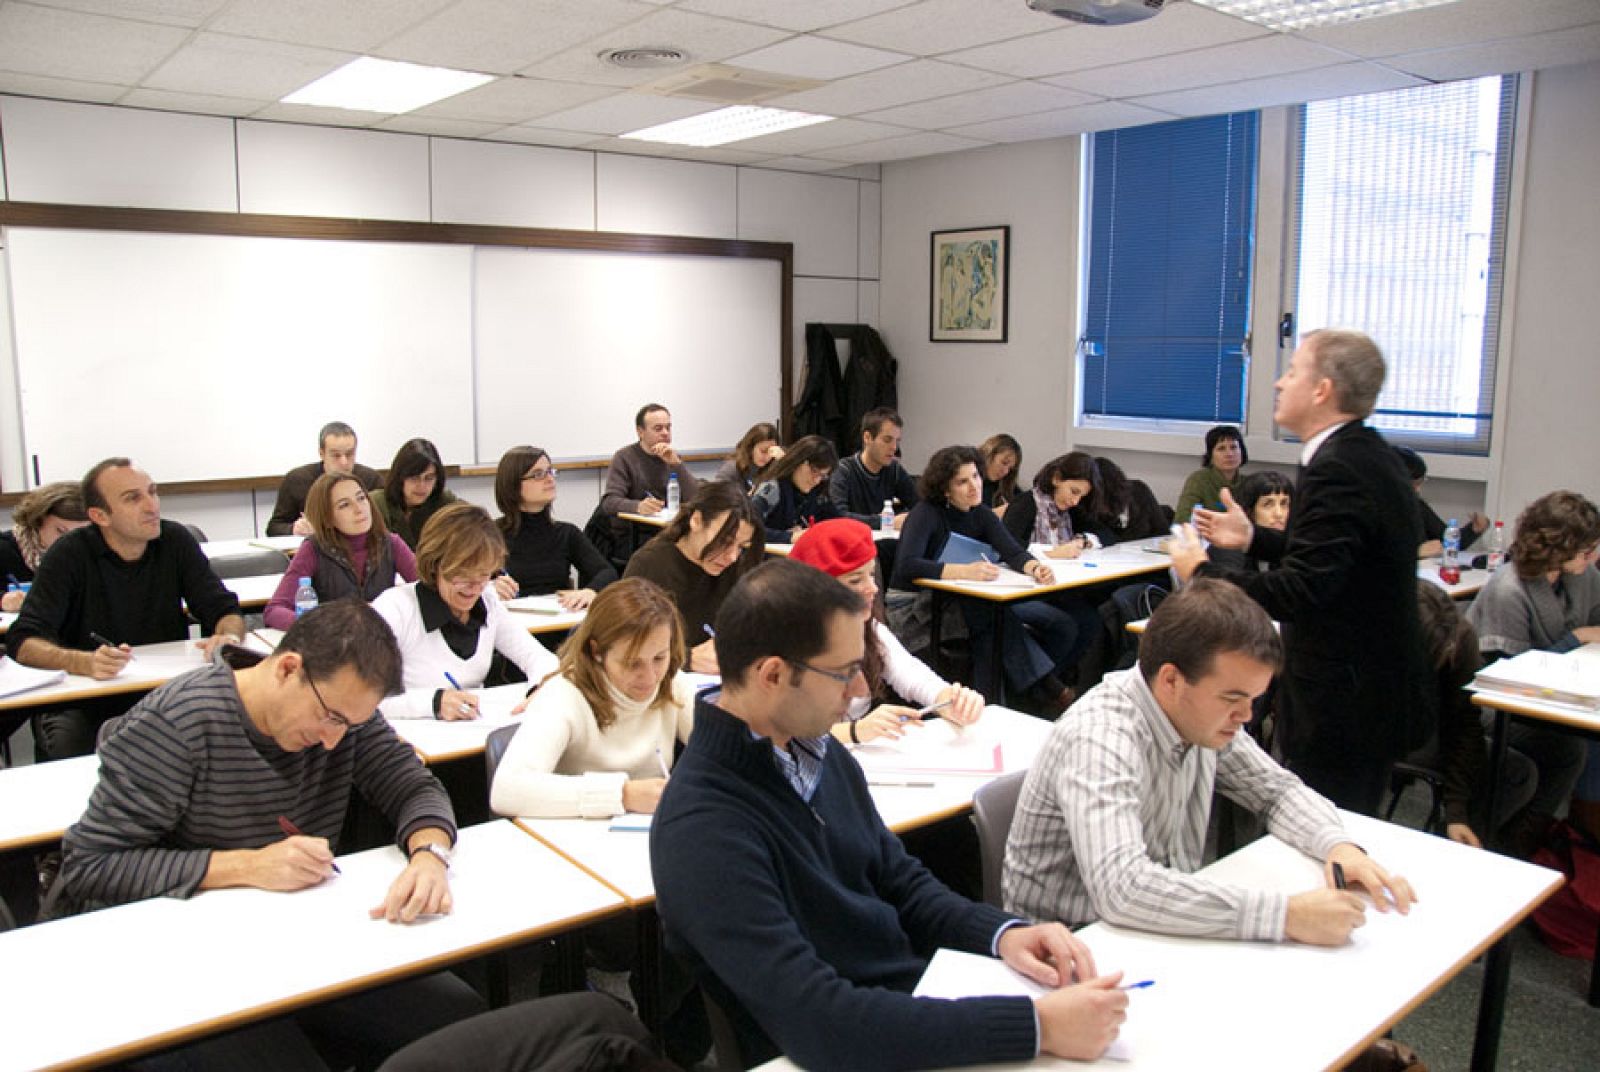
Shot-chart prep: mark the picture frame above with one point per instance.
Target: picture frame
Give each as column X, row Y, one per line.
column 970, row 285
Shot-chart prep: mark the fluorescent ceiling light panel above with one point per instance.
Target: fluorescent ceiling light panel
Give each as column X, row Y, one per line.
column 372, row 85
column 1306, row 14
column 727, row 125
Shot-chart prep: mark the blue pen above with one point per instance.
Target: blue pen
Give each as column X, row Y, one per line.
column 710, row 632
column 662, row 763
column 454, row 684
column 1141, row 985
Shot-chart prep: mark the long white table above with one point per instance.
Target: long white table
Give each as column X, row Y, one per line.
column 39, row 801
column 1263, row 1005
column 152, row 665
column 116, row 983
column 284, row 545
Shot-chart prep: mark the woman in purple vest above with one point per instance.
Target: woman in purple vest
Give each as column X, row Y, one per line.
column 350, row 550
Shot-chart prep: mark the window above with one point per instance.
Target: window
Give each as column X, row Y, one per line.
column 1401, row 233
column 1167, row 297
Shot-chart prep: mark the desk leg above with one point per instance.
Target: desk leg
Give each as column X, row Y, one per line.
column 999, row 653
column 497, row 979
column 1492, row 1006
column 648, row 990
column 1497, row 764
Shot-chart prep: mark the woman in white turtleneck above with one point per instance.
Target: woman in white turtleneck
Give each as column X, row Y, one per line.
column 597, row 738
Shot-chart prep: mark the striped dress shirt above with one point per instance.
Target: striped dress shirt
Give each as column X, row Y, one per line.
column 1112, row 820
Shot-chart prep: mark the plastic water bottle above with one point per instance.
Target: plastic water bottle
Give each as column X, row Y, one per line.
column 305, row 597
column 672, row 493
column 1450, row 564
column 886, row 519
column 1497, row 545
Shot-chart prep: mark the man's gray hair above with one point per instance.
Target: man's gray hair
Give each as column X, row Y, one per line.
column 1355, row 365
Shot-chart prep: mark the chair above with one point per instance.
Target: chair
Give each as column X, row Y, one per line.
column 253, row 564
column 195, row 530
column 726, row 1053
column 1401, row 775
column 494, row 749
column 992, row 808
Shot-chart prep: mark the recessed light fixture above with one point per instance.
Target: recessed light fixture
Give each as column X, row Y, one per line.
column 1307, row 14
column 727, row 124
column 372, row 85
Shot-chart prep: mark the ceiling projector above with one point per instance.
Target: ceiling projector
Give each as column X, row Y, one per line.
column 1100, row 12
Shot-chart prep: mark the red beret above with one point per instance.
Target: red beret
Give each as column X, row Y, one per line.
column 835, row 547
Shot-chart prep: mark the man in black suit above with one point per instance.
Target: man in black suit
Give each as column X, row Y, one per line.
column 1343, row 581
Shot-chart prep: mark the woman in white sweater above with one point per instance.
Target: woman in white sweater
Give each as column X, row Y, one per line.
column 450, row 622
column 845, row 549
column 597, row 739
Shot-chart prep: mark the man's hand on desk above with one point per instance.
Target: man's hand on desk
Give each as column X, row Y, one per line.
column 107, row 662
column 1048, row 953
column 295, row 863
column 1079, row 1022
column 1228, row 527
column 1361, row 870
column 1323, row 917
column 423, row 888
column 207, row 646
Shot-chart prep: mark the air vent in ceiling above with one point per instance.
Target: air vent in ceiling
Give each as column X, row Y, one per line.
column 728, row 85
column 644, row 58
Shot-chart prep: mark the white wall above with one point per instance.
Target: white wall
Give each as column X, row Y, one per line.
column 98, row 155
column 953, row 393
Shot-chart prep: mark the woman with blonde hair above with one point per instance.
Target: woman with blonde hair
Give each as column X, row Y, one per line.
column 41, row 517
column 598, row 736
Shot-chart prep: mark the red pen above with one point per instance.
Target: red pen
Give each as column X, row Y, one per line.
column 291, row 830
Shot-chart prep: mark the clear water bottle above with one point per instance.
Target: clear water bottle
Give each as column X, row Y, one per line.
column 305, row 597
column 1497, row 545
column 672, row 493
column 1450, row 564
column 886, row 519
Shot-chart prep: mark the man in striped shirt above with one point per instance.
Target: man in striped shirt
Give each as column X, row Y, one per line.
column 1112, row 817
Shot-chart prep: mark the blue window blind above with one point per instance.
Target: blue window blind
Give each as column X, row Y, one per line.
column 1171, row 228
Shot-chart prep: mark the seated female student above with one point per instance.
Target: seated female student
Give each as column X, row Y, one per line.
column 413, row 491
column 1034, row 658
column 794, row 493
column 1126, row 509
column 699, row 557
column 1224, row 456
column 1053, row 513
column 598, row 736
column 541, row 552
column 1002, row 460
column 1541, row 765
column 756, row 449
column 844, row 548
column 450, row 622
column 1547, row 597
column 41, row 517
column 350, row 551
column 1265, row 498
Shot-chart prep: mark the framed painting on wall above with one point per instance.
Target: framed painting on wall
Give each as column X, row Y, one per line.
column 970, row 284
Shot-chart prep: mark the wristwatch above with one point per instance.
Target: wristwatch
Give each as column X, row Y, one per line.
column 444, row 854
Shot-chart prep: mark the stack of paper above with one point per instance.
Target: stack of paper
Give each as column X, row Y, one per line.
column 545, row 604
column 16, row 678
column 1570, row 679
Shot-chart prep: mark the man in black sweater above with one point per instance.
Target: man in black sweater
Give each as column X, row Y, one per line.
column 802, row 914
column 863, row 482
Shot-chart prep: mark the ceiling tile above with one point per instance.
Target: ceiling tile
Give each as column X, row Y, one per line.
column 1256, row 58
column 1075, row 47
column 566, row 139
column 926, row 143
column 1101, row 115
column 38, row 85
column 1464, row 22
column 799, row 15
column 822, row 136
column 199, row 103
column 503, row 36
column 818, row 57
column 355, row 27
column 705, row 39
column 1344, row 80
column 172, row 12
column 440, row 126
column 225, row 66
column 934, row 26
column 515, row 100
column 1531, row 53
column 914, row 81
column 82, row 48
column 997, row 102
column 622, row 112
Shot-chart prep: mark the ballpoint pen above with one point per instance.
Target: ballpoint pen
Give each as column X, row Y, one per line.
column 291, row 830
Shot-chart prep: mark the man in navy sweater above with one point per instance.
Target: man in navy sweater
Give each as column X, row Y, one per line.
column 801, row 913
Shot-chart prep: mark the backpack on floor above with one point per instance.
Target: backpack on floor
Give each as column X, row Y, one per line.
column 1570, row 919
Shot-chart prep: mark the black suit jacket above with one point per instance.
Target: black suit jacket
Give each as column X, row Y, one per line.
column 1344, row 585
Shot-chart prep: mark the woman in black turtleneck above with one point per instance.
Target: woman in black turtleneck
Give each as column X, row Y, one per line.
column 541, row 551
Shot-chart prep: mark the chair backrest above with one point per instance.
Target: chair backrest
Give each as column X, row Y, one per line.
column 251, row 564
column 992, row 808
column 196, row 531
column 494, row 749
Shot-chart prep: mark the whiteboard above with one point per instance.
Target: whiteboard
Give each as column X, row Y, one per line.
column 570, row 343
column 213, row 356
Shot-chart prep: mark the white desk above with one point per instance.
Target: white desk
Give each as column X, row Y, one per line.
column 1471, row 583
column 151, row 665
column 164, row 971
column 253, row 592
column 1264, row 1005
column 285, row 545
column 39, row 801
column 544, row 614
column 437, row 740
column 6, row 618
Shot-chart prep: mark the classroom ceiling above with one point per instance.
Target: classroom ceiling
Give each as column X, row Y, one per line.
column 906, row 78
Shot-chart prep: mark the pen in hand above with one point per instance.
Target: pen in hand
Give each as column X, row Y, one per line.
column 932, row 710
column 661, row 761
column 1338, row 876
column 291, row 830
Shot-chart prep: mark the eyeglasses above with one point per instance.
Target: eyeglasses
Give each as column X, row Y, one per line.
column 465, row 584
column 540, row 474
column 843, row 677
column 329, row 715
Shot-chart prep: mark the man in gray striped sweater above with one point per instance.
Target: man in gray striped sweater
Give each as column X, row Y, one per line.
column 1112, row 817
column 201, row 782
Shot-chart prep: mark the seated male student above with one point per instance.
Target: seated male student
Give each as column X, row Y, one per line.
column 336, row 453
column 123, row 580
column 863, row 482
column 636, row 482
column 801, row 913
column 1112, row 817
column 197, row 780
